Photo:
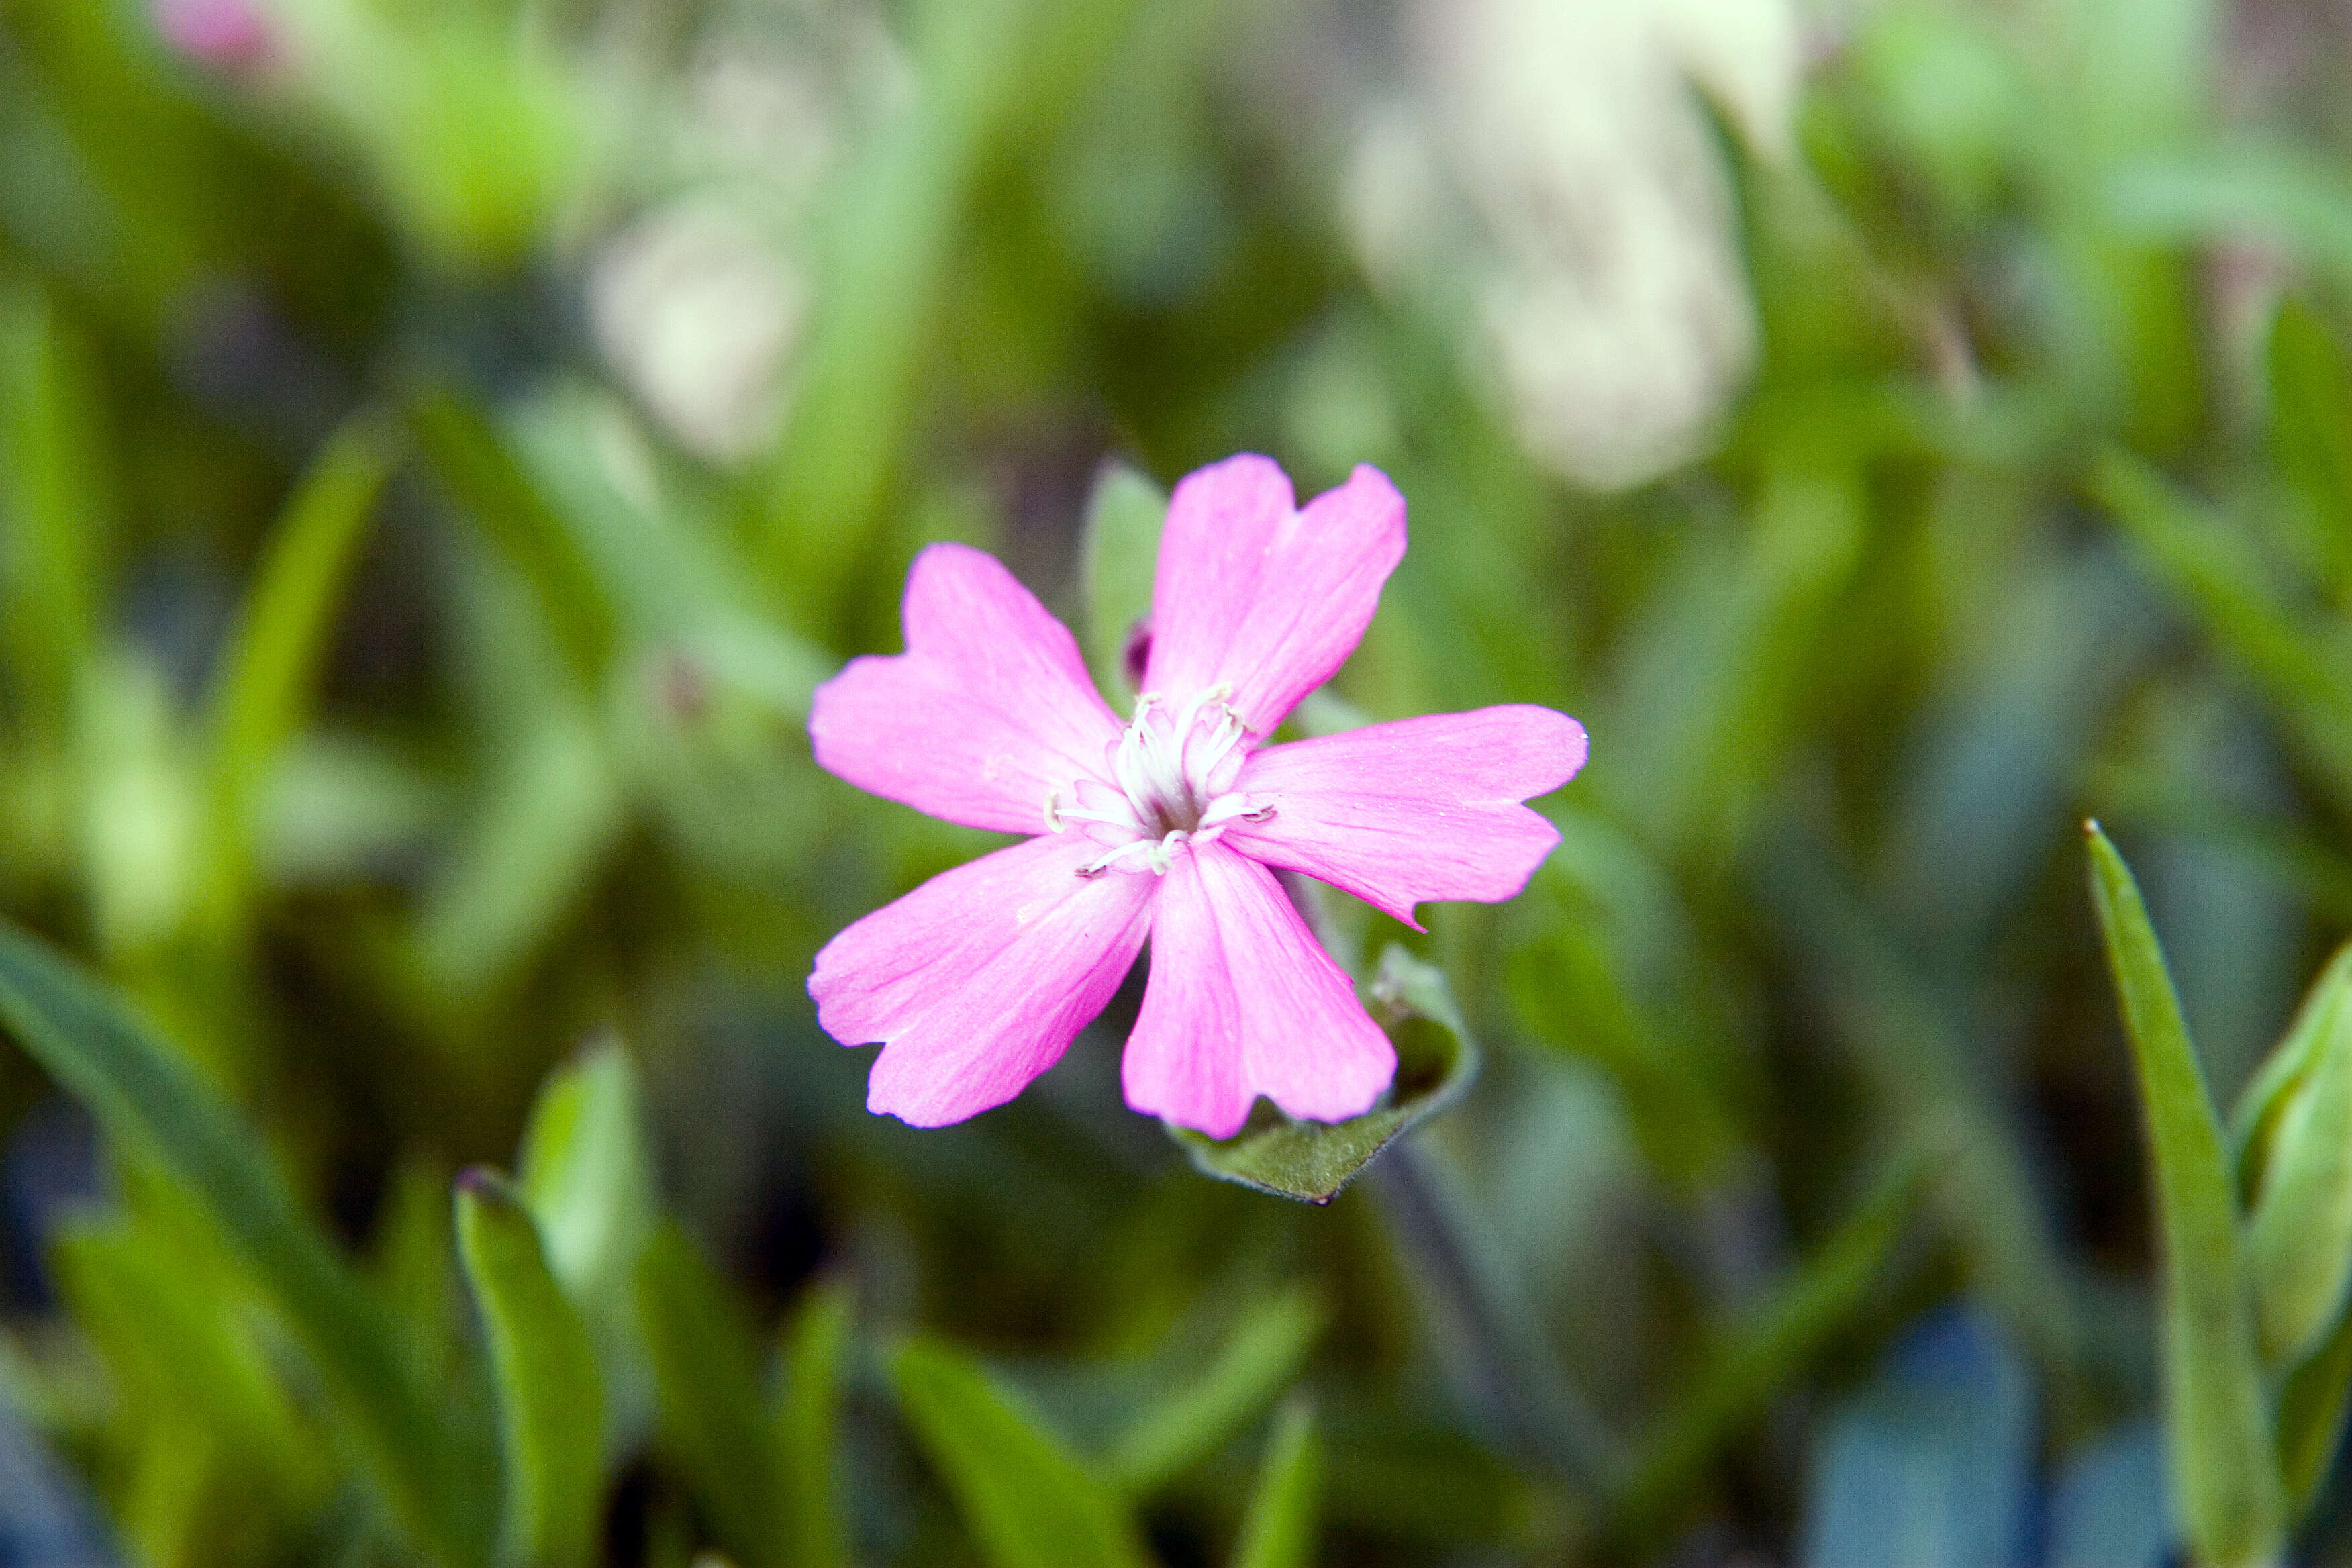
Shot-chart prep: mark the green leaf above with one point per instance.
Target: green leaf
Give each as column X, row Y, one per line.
column 550, row 1399
column 53, row 499
column 2215, row 570
column 1029, row 1501
column 707, row 1378
column 1118, row 552
column 2311, row 434
column 473, row 462
column 1312, row 1160
column 2225, row 1468
column 587, row 1175
column 1752, row 1366
column 264, row 682
column 1278, row 1531
column 2300, row 1246
column 817, row 1348
column 2311, row 1417
column 2267, row 1093
column 1256, row 1364
column 144, row 1096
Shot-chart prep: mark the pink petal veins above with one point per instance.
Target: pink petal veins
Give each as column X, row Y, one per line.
column 988, row 710
column 1272, row 599
column 1244, row 1001
column 977, row 981
column 1421, row 809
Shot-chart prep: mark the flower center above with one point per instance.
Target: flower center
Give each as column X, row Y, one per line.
column 1175, row 769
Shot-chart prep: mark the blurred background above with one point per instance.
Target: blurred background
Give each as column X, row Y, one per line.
column 444, row 442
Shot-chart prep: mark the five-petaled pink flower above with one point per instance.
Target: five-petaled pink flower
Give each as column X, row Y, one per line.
column 1168, row 826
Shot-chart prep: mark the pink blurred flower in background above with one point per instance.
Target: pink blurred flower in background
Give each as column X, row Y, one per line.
column 1169, row 826
column 227, row 35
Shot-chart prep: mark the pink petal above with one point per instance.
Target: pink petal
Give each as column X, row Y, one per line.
column 1423, row 808
column 988, row 709
column 1244, row 1001
column 977, row 980
column 1272, row 599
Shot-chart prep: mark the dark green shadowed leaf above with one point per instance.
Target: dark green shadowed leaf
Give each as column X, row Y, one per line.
column 2224, row 1466
column 265, row 677
column 1278, row 1531
column 144, row 1096
column 470, row 456
column 707, row 1378
column 1118, row 553
column 1751, row 1366
column 1436, row 1061
column 1256, row 1364
column 551, row 1399
column 816, row 1351
column 1028, row 1501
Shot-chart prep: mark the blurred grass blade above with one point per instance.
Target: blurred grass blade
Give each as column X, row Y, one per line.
column 816, row 1350
column 1494, row 1349
column 707, row 1378
column 1030, row 1503
column 473, row 462
column 268, row 672
column 2300, row 1247
column 992, row 70
column 2215, row 570
column 144, row 1096
column 587, row 1175
column 1255, row 1365
column 1750, row 1367
column 1278, row 1531
column 54, row 500
column 1118, row 552
column 550, row 1399
column 1437, row 1060
column 2225, row 1468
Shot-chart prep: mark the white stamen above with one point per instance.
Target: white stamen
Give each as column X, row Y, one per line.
column 1172, row 769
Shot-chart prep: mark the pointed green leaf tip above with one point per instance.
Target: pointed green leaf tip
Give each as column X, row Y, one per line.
column 551, row 1396
column 2225, row 1470
column 1312, row 1160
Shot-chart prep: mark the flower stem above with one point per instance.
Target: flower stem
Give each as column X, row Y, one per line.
column 1494, row 1352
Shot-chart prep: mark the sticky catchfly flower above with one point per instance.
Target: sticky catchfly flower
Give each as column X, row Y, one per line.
column 1168, row 826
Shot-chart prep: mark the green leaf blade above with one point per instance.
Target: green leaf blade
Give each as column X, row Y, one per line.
column 551, row 1397
column 1256, row 1362
column 816, row 1352
column 1278, row 1531
column 2225, row 1465
column 271, row 664
column 144, row 1096
column 1029, row 1501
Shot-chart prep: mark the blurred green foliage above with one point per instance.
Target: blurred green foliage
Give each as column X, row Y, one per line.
column 442, row 443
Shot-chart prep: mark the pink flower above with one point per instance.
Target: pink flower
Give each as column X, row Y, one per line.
column 230, row 34
column 1167, row 826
